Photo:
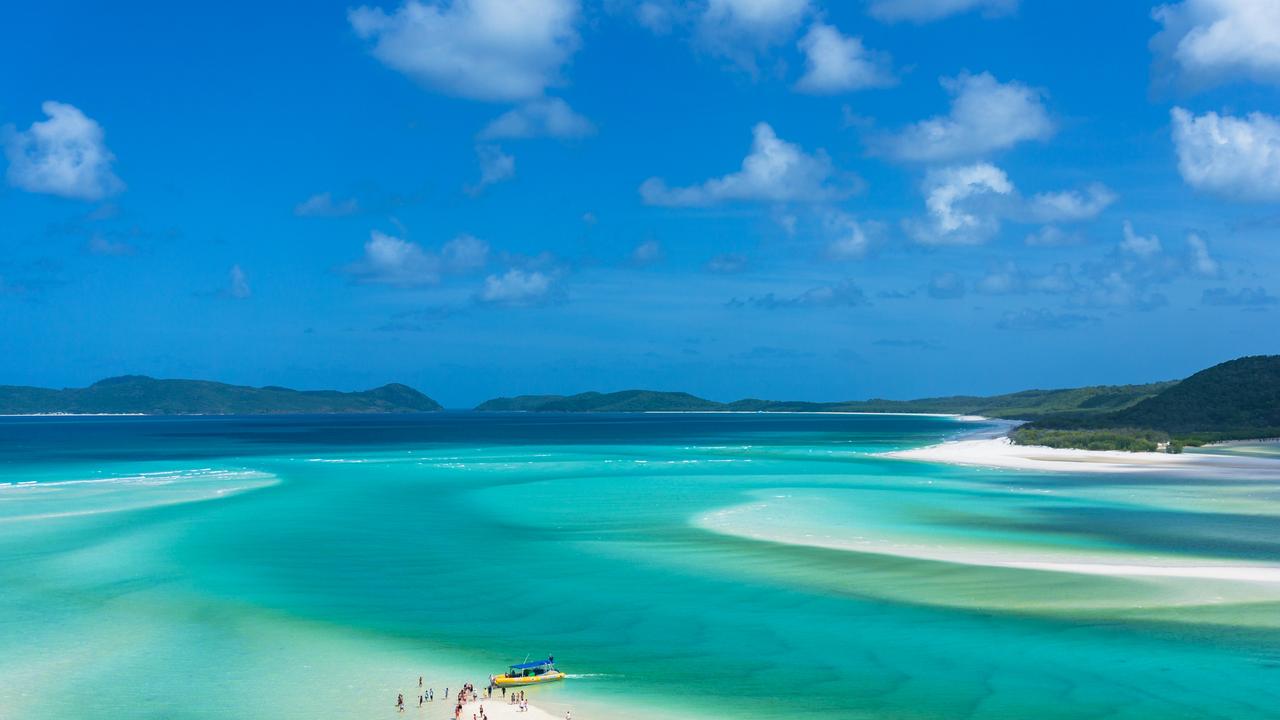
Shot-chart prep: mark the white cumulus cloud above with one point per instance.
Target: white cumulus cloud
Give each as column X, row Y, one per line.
column 851, row 239
column 922, row 11
column 774, row 171
column 1070, row 205
column 516, row 287
column 1206, row 42
column 497, row 50
column 1143, row 246
column 960, row 203
column 64, row 155
column 986, row 115
column 736, row 28
column 1234, row 157
column 390, row 260
column 837, row 63
column 543, row 117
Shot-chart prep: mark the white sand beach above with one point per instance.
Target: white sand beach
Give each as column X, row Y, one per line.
column 500, row 709
column 1001, row 452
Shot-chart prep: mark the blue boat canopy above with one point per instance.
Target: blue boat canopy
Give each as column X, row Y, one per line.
column 534, row 664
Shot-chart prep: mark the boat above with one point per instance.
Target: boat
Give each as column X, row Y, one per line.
column 538, row 672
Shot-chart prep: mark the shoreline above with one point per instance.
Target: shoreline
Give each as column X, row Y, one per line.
column 500, row 709
column 957, row 416
column 1002, row 453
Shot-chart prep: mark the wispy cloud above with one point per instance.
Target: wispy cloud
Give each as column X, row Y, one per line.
column 1070, row 205
column 844, row 294
column 1244, row 297
column 647, row 253
column 946, row 286
column 1043, row 319
column 774, row 171
column 908, row 343
column 100, row 244
column 324, row 205
column 727, row 263
column 923, row 11
column 495, row 167
column 541, row 117
column 238, row 283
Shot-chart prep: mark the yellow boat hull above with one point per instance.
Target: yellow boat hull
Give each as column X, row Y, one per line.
column 543, row 679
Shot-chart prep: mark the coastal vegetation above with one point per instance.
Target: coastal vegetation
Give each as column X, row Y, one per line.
column 1235, row 400
column 1127, row 439
column 144, row 395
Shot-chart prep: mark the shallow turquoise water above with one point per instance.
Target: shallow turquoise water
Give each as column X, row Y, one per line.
column 678, row 565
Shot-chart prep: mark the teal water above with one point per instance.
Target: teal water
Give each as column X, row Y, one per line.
column 742, row 566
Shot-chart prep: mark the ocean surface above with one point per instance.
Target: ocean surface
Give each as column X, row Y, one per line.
column 677, row 566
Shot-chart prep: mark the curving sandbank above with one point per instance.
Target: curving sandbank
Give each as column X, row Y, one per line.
column 753, row 521
column 28, row 501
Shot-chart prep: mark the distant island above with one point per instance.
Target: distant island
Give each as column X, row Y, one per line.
column 1024, row 405
column 138, row 394
column 1236, row 400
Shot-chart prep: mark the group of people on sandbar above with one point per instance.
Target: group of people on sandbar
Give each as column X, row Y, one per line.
column 465, row 695
column 425, row 695
column 517, row 699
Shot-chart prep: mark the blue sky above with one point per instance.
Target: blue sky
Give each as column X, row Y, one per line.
column 770, row 198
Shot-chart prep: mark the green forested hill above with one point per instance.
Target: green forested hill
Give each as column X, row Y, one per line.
column 140, row 394
column 1236, row 399
column 1026, row 405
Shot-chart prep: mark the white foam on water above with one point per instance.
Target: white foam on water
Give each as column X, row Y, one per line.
column 46, row 500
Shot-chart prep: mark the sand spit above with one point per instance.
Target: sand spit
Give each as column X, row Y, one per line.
column 1002, row 453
